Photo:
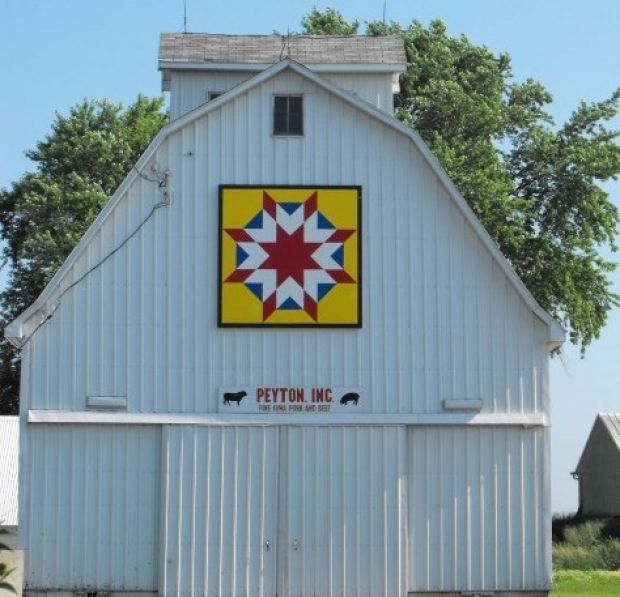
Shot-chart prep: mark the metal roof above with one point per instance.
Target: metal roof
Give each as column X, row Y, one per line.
column 612, row 423
column 9, row 450
column 269, row 49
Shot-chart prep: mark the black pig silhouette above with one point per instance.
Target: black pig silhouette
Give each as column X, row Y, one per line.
column 350, row 397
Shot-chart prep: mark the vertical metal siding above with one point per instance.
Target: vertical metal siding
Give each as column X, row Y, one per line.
column 441, row 320
column 221, row 505
column 338, row 493
column 343, row 511
column 478, row 513
column 9, row 450
column 375, row 88
column 90, row 507
column 190, row 90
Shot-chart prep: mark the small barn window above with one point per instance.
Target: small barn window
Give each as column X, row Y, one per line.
column 288, row 115
column 211, row 95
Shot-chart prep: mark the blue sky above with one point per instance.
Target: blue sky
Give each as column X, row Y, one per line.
column 53, row 53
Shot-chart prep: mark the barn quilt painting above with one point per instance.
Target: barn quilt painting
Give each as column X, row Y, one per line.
column 290, row 256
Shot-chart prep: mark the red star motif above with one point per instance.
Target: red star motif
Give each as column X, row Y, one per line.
column 290, row 255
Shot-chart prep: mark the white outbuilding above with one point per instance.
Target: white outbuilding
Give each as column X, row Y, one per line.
column 9, row 450
column 598, row 470
column 286, row 358
column 9, row 443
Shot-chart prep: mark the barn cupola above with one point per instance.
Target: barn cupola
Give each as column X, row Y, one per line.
column 198, row 67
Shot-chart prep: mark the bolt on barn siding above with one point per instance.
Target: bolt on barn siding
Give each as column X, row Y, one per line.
column 180, row 497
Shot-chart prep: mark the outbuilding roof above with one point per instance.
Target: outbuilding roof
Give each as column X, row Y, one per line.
column 269, row 49
column 610, row 423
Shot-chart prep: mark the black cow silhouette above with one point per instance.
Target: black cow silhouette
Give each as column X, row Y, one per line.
column 350, row 397
column 234, row 397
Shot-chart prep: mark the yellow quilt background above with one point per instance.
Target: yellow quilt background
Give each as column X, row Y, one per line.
column 239, row 306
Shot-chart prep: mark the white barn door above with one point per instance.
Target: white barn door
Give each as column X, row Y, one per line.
column 342, row 527
column 289, row 511
column 220, row 511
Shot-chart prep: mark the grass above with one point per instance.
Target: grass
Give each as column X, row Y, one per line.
column 587, row 545
column 591, row 583
column 586, row 557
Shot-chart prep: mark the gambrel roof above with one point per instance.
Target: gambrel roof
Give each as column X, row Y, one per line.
column 181, row 48
column 27, row 322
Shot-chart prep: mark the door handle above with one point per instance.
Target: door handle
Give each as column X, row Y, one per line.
column 267, row 545
column 296, row 544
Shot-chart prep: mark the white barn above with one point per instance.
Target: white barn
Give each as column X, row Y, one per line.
column 598, row 470
column 138, row 476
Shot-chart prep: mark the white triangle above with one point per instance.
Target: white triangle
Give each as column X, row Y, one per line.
column 312, row 279
column 323, row 256
column 266, row 277
column 312, row 232
column 256, row 255
column 289, row 289
column 290, row 222
column 266, row 234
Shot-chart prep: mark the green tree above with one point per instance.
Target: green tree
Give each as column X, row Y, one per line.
column 534, row 185
column 43, row 215
column 329, row 22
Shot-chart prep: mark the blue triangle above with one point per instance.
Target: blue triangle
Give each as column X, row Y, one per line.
column 323, row 289
column 289, row 304
column 323, row 222
column 241, row 255
column 256, row 288
column 256, row 221
column 290, row 208
column 338, row 255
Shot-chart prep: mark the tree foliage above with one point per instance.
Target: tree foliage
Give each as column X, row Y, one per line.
column 43, row 215
column 535, row 185
column 329, row 22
